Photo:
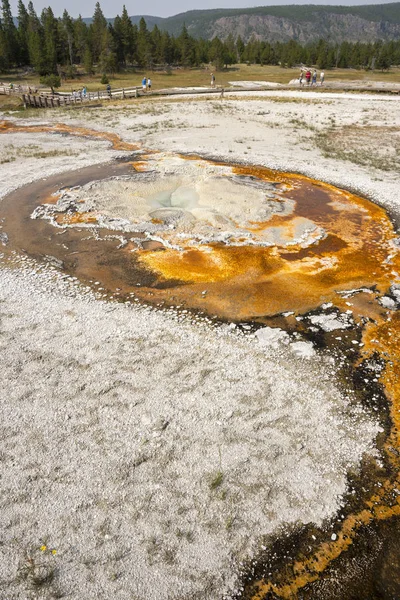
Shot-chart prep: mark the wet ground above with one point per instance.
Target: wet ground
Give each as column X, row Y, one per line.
column 350, row 269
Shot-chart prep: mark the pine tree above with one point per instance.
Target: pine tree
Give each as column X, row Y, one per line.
column 88, row 61
column 50, row 37
column 217, row 54
column 331, row 58
column 322, row 55
column 266, row 54
column 9, row 35
column 108, row 60
column 52, row 81
column 144, row 56
column 239, row 48
column 230, row 49
column 68, row 30
column 365, row 52
column 290, row 53
column 135, row 34
column 155, row 37
column 2, row 50
column 98, row 33
column 344, row 55
column 117, row 42
column 22, row 34
column 252, row 50
column 202, row 51
column 80, row 39
column 166, row 49
column 396, row 54
column 35, row 41
column 186, row 47
column 383, row 60
column 127, row 36
column 313, row 51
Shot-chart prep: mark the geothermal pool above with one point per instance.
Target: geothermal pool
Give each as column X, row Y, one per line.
column 232, row 241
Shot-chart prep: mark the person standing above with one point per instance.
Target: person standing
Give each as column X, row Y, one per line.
column 314, row 77
column 321, row 78
column 212, row 80
column 308, row 76
column 149, row 84
column 301, row 77
column 144, row 84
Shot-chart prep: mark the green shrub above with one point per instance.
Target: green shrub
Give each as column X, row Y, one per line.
column 52, row 81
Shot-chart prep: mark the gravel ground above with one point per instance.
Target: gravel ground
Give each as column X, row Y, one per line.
column 145, row 454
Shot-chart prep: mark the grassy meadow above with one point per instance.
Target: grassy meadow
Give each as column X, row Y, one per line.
column 201, row 77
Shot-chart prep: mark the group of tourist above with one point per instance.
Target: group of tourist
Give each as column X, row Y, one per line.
column 79, row 93
column 18, row 88
column 311, row 78
column 146, row 84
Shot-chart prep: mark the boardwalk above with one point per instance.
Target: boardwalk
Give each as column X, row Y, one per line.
column 44, row 99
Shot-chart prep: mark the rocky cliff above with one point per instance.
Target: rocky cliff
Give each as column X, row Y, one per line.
column 335, row 27
column 303, row 23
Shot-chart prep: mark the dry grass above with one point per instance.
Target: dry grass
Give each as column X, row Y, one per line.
column 216, row 479
column 369, row 146
column 289, row 100
column 10, row 103
column 37, row 573
column 201, row 77
column 10, row 153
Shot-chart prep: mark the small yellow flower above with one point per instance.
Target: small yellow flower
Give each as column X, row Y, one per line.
column 43, row 548
column 54, row 551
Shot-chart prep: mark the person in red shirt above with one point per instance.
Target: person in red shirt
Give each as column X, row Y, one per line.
column 308, row 76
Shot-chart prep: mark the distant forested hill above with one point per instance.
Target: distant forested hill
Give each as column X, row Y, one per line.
column 151, row 21
column 282, row 23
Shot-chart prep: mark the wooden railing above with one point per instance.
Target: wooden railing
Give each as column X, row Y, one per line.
column 16, row 90
column 100, row 94
column 48, row 100
column 45, row 99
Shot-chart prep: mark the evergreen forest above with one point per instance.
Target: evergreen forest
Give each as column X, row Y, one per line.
column 57, row 46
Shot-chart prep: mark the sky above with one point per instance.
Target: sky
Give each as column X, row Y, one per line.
column 161, row 8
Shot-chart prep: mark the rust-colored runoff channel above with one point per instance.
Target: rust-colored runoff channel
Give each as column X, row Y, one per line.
column 253, row 283
column 113, row 138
